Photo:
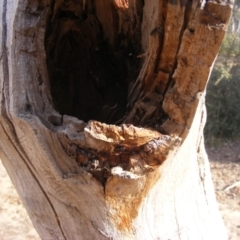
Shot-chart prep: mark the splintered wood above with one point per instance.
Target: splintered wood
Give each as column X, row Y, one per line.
column 124, row 4
column 136, row 171
column 125, row 135
column 104, row 147
column 166, row 93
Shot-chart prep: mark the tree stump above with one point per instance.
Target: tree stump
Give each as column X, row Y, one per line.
column 102, row 116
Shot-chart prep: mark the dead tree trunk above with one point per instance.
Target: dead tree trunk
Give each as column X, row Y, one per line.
column 102, row 115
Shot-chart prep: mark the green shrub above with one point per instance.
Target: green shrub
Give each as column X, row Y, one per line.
column 223, row 91
column 223, row 107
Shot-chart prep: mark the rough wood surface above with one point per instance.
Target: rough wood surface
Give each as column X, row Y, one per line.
column 145, row 178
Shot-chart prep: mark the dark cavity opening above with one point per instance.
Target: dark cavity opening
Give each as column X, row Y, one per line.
column 90, row 74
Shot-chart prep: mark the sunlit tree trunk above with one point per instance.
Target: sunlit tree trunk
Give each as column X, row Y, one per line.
column 102, row 116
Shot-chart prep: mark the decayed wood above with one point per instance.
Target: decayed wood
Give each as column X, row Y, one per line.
column 147, row 178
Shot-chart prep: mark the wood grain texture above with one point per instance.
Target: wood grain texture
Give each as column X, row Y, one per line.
column 146, row 178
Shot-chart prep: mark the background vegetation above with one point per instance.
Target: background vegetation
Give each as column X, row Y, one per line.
column 223, row 92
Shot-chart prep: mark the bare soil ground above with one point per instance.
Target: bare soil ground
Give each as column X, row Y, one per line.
column 14, row 221
column 225, row 165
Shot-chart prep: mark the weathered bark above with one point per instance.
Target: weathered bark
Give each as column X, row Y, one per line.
column 141, row 65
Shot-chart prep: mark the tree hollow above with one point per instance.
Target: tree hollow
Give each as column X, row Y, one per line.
column 92, row 57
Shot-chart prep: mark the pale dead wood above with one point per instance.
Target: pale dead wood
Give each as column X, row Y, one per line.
column 147, row 178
